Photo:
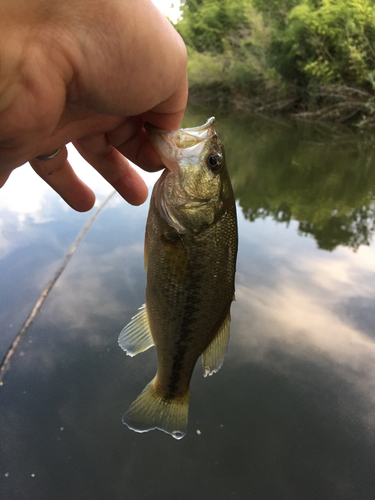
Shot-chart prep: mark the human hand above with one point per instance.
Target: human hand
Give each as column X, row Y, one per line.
column 90, row 72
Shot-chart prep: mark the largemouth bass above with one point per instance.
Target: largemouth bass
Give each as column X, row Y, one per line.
column 190, row 259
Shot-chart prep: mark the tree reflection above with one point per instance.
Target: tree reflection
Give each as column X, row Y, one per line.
column 353, row 229
column 320, row 176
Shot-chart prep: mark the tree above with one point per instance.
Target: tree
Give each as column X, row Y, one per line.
column 333, row 40
column 206, row 24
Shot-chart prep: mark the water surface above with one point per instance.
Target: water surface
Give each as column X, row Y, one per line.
column 291, row 413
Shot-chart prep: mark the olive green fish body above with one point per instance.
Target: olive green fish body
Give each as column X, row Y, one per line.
column 187, row 310
column 190, row 258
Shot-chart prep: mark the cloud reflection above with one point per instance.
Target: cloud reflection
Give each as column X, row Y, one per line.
column 301, row 313
column 26, row 199
column 26, row 193
column 295, row 394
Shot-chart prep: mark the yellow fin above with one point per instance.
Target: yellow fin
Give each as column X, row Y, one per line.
column 136, row 336
column 151, row 411
column 213, row 356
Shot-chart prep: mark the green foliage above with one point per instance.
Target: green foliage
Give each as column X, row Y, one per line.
column 227, row 46
column 263, row 54
column 206, row 23
column 203, row 67
column 275, row 12
column 333, row 42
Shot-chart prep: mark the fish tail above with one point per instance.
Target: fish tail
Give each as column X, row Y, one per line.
column 153, row 411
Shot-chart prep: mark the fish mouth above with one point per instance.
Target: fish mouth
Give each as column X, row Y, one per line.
column 185, row 137
column 188, row 137
column 171, row 144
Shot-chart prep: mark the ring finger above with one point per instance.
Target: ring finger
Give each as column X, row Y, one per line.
column 59, row 174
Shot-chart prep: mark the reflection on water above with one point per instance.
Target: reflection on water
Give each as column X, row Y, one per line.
column 291, row 413
column 323, row 179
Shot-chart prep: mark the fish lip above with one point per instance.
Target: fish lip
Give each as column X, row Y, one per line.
column 194, row 131
column 171, row 145
column 201, row 132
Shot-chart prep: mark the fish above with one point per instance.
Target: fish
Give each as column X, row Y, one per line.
column 190, row 257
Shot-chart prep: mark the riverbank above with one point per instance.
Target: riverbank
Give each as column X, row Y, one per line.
column 336, row 103
column 306, row 59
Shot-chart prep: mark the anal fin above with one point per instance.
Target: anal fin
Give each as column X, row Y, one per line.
column 136, row 336
column 213, row 356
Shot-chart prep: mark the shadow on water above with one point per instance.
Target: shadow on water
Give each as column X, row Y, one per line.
column 321, row 176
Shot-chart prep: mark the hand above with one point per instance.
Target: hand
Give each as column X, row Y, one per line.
column 90, row 72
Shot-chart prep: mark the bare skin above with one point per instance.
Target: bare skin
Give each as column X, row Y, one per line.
column 90, row 72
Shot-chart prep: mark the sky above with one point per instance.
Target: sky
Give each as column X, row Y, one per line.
column 169, row 8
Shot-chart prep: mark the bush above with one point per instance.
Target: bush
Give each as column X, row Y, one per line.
column 334, row 42
column 255, row 53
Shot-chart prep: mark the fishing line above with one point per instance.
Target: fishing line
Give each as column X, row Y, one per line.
column 38, row 304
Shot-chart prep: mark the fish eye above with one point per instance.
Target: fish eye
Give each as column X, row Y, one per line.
column 214, row 161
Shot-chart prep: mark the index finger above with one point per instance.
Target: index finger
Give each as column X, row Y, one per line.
column 168, row 114
column 113, row 166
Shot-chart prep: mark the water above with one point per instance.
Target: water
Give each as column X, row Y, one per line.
column 291, row 413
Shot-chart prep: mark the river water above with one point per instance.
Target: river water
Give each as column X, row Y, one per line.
column 290, row 415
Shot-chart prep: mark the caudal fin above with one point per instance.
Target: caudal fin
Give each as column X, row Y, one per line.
column 152, row 411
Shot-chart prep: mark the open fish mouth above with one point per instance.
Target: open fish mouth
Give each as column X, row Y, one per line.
column 188, row 137
column 184, row 137
column 171, row 145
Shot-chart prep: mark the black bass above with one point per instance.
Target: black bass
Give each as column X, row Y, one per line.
column 190, row 259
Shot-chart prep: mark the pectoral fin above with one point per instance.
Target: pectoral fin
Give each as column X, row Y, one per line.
column 213, row 356
column 136, row 336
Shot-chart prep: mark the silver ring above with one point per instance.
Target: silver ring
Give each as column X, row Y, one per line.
column 46, row 158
